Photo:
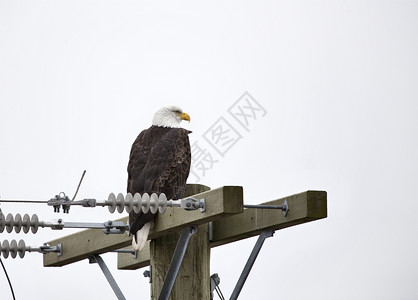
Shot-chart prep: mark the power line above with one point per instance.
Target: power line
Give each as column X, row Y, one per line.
column 23, row 201
column 8, row 279
column 78, row 187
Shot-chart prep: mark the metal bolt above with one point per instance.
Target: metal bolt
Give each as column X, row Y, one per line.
column 147, row 273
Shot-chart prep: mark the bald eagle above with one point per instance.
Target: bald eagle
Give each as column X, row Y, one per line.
column 159, row 162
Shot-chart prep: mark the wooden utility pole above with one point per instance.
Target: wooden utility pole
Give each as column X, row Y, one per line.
column 193, row 279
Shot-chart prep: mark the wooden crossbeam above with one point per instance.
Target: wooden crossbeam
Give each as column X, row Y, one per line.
column 304, row 207
column 224, row 201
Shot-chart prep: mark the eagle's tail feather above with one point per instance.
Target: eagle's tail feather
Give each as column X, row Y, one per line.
column 141, row 236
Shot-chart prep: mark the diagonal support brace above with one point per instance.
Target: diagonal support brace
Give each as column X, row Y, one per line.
column 176, row 261
column 248, row 266
column 95, row 258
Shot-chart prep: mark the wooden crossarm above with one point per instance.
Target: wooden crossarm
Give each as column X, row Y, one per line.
column 221, row 202
column 303, row 207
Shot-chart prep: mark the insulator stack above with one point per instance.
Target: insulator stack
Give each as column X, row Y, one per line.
column 19, row 248
column 20, row 224
column 146, row 203
column 26, row 223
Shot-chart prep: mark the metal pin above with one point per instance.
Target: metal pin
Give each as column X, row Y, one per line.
column 284, row 207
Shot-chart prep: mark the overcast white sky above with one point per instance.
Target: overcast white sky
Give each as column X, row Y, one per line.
column 338, row 81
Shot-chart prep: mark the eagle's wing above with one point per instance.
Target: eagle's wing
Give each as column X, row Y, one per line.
column 164, row 170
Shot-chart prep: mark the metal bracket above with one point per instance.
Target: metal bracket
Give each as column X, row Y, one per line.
column 133, row 252
column 108, row 227
column 202, row 205
column 115, row 227
column 193, row 204
column 247, row 268
column 210, row 232
column 95, row 258
column 60, row 200
column 48, row 249
column 148, row 273
column 176, row 261
column 214, row 282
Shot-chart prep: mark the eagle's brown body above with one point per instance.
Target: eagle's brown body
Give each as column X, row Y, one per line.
column 159, row 163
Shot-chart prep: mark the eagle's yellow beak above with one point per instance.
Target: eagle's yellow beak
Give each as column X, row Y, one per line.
column 185, row 117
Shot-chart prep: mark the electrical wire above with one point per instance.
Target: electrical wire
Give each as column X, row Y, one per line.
column 8, row 279
column 78, row 187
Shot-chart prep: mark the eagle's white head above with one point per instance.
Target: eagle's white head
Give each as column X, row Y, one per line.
column 169, row 116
